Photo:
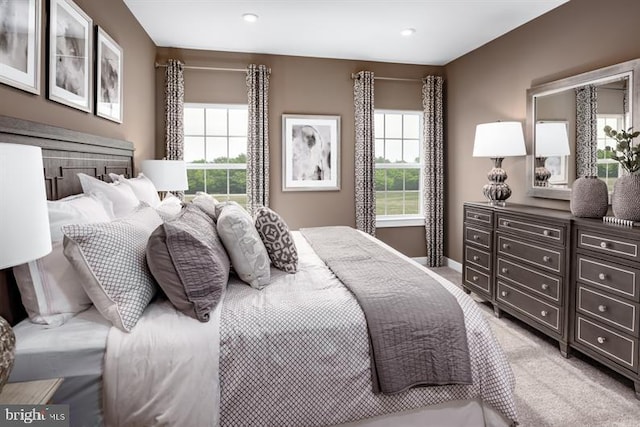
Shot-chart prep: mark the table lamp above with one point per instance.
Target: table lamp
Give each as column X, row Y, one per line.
column 166, row 175
column 24, row 224
column 498, row 140
column 550, row 140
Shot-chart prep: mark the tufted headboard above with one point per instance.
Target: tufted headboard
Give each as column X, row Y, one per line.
column 64, row 154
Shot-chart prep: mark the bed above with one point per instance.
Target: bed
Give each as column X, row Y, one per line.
column 310, row 367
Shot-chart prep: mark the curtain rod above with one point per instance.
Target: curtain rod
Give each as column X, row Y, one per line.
column 193, row 67
column 395, row 79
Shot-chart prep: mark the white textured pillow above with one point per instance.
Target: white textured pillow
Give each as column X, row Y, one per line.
column 111, row 259
column 169, row 207
column 245, row 248
column 142, row 187
column 123, row 198
column 50, row 288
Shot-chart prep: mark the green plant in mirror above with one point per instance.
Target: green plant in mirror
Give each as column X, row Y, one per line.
column 625, row 152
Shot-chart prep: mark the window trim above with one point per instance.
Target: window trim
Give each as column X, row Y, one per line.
column 408, row 220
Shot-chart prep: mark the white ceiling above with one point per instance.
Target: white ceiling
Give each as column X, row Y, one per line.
column 346, row 29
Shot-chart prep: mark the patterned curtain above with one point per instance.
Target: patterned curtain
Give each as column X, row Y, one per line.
column 258, row 137
column 174, row 109
column 586, row 142
column 433, row 176
column 365, row 153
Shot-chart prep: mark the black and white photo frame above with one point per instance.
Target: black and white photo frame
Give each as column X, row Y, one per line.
column 109, row 73
column 310, row 153
column 20, row 23
column 70, row 55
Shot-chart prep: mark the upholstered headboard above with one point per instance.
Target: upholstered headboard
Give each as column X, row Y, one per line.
column 64, row 154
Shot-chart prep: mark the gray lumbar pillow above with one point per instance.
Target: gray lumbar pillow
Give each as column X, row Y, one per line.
column 277, row 239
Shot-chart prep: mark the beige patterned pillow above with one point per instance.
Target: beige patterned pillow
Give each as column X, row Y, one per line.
column 277, row 239
column 111, row 258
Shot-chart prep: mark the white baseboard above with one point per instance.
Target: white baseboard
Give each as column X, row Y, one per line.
column 420, row 260
column 455, row 265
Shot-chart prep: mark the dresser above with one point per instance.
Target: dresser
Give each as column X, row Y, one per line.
column 517, row 257
column 606, row 295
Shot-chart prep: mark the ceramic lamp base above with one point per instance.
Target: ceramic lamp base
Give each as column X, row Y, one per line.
column 497, row 191
column 541, row 173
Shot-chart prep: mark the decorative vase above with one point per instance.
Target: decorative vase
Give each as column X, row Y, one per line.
column 589, row 197
column 7, row 350
column 625, row 201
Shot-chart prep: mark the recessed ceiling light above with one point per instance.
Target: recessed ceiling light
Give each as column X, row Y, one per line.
column 408, row 32
column 250, row 17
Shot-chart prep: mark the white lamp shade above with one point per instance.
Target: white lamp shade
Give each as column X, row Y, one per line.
column 499, row 139
column 551, row 139
column 166, row 175
column 24, row 218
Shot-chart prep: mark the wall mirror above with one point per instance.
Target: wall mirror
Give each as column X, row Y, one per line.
column 565, row 121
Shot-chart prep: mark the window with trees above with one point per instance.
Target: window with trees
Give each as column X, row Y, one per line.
column 398, row 142
column 215, row 150
column 608, row 168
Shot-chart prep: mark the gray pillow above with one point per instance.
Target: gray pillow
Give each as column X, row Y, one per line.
column 207, row 204
column 189, row 262
column 277, row 239
column 248, row 255
column 110, row 257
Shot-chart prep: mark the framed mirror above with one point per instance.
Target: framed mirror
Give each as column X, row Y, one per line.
column 565, row 121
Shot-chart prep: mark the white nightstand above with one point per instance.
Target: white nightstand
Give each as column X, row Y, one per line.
column 30, row 392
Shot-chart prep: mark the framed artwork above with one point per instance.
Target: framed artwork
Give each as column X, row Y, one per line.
column 20, row 44
column 70, row 55
column 310, row 153
column 108, row 77
column 558, row 166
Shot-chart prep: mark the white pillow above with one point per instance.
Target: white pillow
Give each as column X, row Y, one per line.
column 142, row 187
column 243, row 244
column 50, row 288
column 111, row 259
column 122, row 197
column 169, row 207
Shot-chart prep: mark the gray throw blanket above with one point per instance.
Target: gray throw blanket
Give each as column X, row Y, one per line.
column 416, row 327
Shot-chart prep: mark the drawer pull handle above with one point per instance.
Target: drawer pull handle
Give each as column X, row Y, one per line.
column 603, row 245
column 544, row 313
column 505, row 270
column 546, row 232
column 546, row 258
column 601, row 340
column 475, row 278
column 602, row 308
column 507, row 224
column 476, row 216
column 505, row 246
column 504, row 293
column 602, row 276
column 476, row 257
column 544, row 286
column 476, row 237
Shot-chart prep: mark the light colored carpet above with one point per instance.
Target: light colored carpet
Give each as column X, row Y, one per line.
column 554, row 391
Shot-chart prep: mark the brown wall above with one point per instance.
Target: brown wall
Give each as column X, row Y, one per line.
column 304, row 86
column 138, row 124
column 490, row 84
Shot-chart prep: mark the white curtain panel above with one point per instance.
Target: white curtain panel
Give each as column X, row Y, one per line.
column 433, row 176
column 258, row 137
column 174, row 109
column 365, row 153
column 586, row 131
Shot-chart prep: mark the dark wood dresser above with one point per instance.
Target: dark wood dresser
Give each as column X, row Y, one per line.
column 577, row 280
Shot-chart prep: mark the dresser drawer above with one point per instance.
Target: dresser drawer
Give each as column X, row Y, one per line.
column 621, row 280
column 477, row 279
column 610, row 310
column 479, row 216
column 541, row 311
column 551, row 233
column 546, row 258
column 477, row 257
column 606, row 244
column 540, row 284
column 477, row 236
column 614, row 346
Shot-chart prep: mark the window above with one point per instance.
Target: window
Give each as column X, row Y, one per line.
column 608, row 168
column 215, row 150
column 398, row 136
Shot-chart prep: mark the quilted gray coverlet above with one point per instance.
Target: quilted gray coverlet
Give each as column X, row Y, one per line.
column 296, row 353
column 416, row 328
